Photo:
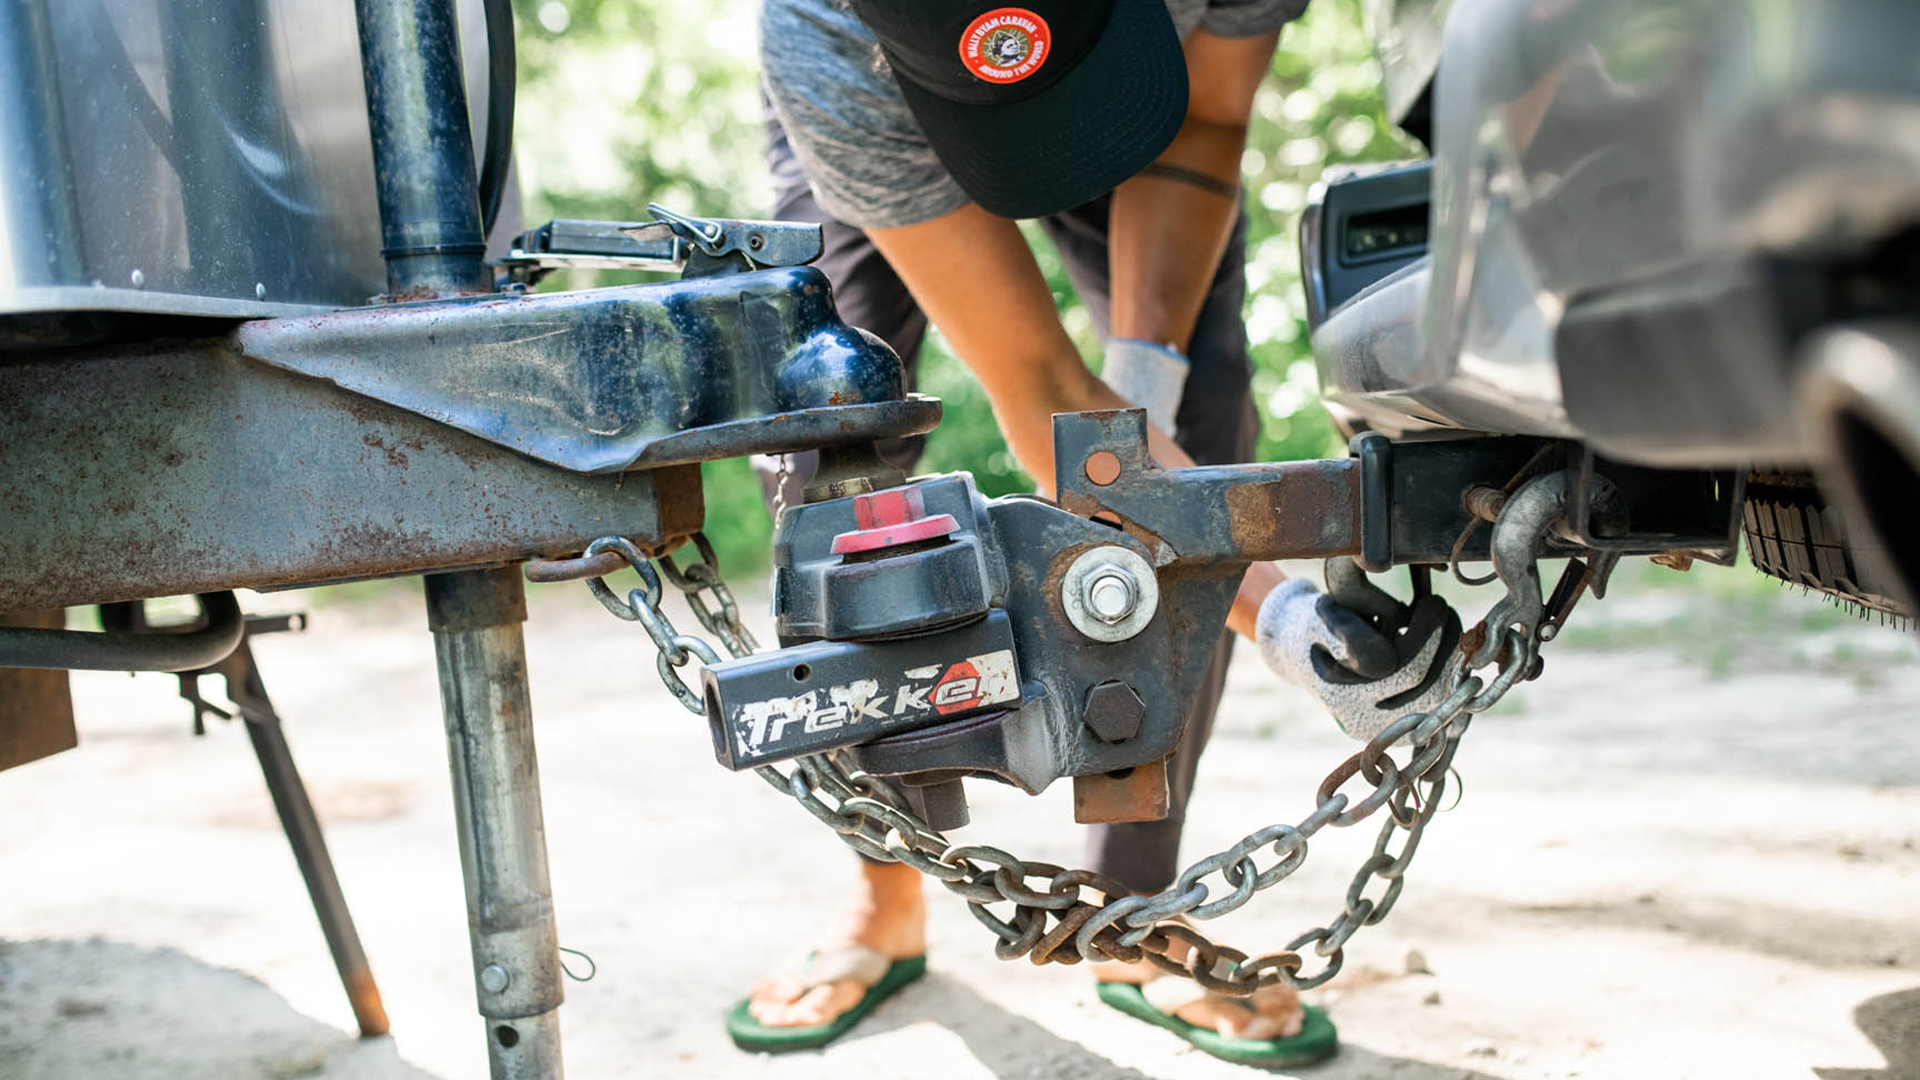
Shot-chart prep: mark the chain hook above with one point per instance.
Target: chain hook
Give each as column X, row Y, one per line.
column 1517, row 535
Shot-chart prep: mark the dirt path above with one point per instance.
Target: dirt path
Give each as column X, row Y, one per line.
column 1688, row 851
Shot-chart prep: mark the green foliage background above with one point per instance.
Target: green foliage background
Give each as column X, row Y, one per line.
column 623, row 102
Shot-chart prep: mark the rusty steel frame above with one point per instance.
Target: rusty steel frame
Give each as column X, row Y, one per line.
column 182, row 467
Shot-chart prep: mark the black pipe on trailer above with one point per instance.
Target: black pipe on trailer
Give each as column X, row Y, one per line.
column 496, row 159
column 422, row 148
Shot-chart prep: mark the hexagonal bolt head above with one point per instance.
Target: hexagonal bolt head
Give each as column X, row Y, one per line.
column 1111, row 594
column 1113, row 711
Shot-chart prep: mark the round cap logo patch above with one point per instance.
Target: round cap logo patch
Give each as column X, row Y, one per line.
column 1005, row 45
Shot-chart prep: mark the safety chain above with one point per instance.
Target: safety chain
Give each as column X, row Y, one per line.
column 1055, row 922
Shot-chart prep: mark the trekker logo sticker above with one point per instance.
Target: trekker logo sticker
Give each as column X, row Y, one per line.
column 1005, row 45
column 915, row 696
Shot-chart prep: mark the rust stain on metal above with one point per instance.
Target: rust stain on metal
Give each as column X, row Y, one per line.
column 682, row 510
column 1474, row 640
column 1089, row 506
column 1311, row 510
column 396, row 457
column 1253, row 514
column 682, row 500
column 1138, row 794
column 421, row 293
column 1057, row 574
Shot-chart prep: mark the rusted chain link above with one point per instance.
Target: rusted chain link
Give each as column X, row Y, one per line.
column 576, row 569
column 1065, row 916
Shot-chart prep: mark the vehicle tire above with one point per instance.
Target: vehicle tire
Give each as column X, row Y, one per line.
column 1795, row 534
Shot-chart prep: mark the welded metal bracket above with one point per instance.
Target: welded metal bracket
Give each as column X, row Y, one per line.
column 1212, row 514
column 611, row 380
column 415, row 437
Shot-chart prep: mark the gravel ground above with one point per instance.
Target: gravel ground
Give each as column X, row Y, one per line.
column 1688, row 851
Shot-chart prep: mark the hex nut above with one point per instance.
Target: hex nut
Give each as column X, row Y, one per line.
column 1113, row 712
column 1111, row 594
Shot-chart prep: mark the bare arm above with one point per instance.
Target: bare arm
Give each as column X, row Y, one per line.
column 973, row 275
column 1168, row 234
column 976, row 279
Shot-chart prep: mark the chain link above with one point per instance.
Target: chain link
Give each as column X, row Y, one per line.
column 704, row 577
column 873, row 818
column 642, row 605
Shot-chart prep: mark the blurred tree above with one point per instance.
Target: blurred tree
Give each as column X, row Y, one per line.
column 626, row 102
column 623, row 102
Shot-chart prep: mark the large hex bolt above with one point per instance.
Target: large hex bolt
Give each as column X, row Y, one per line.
column 1113, row 711
column 1111, row 594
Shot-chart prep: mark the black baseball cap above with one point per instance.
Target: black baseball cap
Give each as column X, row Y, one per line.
column 1040, row 107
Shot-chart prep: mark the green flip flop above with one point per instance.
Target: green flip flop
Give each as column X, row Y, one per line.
column 1316, row 1041
column 751, row 1035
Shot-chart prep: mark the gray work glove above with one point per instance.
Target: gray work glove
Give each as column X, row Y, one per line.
column 1149, row 375
column 1369, row 658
